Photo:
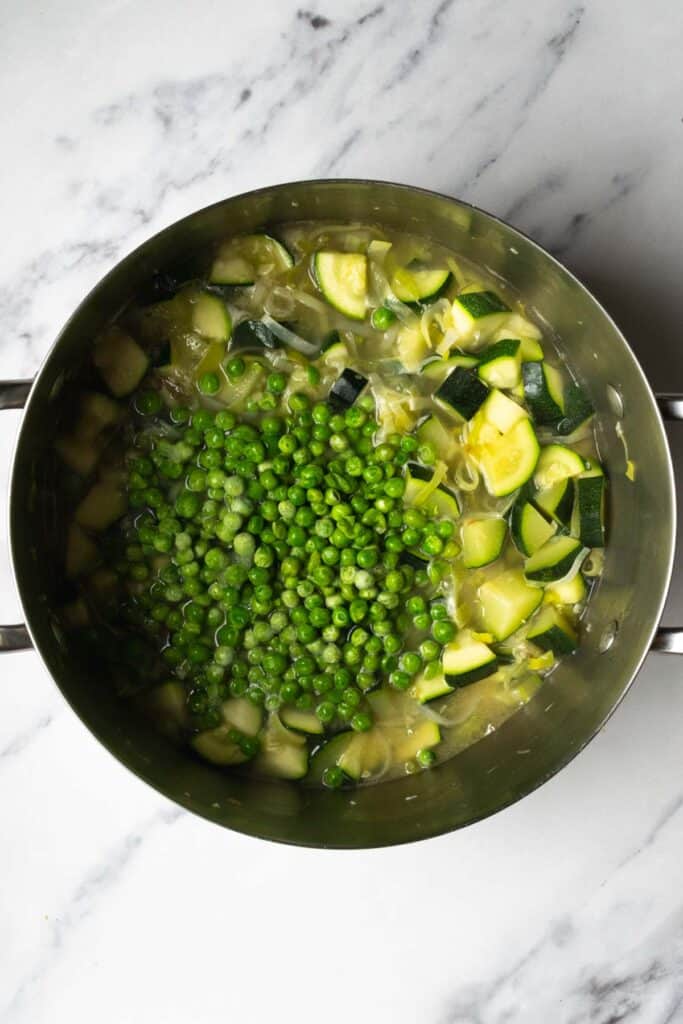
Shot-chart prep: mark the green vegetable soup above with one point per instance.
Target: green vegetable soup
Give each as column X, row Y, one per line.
column 337, row 506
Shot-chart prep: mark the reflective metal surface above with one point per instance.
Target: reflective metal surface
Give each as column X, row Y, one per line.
column 577, row 699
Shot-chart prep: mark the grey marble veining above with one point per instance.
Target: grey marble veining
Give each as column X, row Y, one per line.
column 564, row 118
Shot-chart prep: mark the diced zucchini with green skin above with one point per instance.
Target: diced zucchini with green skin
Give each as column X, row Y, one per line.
column 569, row 592
column 241, row 260
column 482, row 541
column 347, row 388
column 578, row 409
column 411, row 347
column 242, row 714
column 167, row 705
column 78, row 454
column 333, row 351
column 417, row 284
column 432, row 431
column 211, row 318
column 327, row 756
column 437, row 369
column 530, row 351
column 422, row 736
column 415, row 476
column 217, row 746
column 98, row 413
column 509, row 461
column 529, row 529
column 588, row 518
column 477, row 315
column 253, row 336
column 302, row 721
column 462, row 392
column 466, row 660
column 517, row 326
column 555, row 463
column 530, row 348
column 543, row 390
column 502, row 412
column 283, row 752
column 414, row 560
column 82, row 554
column 364, row 756
column 120, row 361
column 552, row 631
column 443, row 503
column 556, row 500
column 506, row 602
column 500, row 365
column 104, row 503
column 342, row 278
column 554, row 560
column 429, row 687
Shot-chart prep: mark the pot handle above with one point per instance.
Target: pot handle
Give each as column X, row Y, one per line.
column 13, row 395
column 669, row 639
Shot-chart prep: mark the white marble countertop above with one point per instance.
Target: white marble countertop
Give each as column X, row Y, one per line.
column 118, row 118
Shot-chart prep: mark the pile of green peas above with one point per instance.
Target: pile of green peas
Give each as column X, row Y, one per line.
column 272, row 557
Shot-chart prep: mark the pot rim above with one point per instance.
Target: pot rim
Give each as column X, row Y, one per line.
column 409, row 190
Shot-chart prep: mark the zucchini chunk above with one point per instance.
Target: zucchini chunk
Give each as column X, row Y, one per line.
column 241, row 714
column 104, row 503
column 411, row 347
column 482, row 541
column 211, row 318
column 543, row 392
column 508, row 460
column 556, row 501
column 466, row 660
column 283, row 752
column 506, row 602
column 82, row 554
column 416, row 284
column 578, row 409
column 302, row 721
column 438, row 369
column 552, row 631
column 421, row 736
column 588, row 518
column 432, row 431
column 529, row 529
column 555, row 463
column 219, row 746
column 241, row 260
column 478, row 314
column 327, row 756
column 346, row 389
column 442, row 502
column 554, row 560
column 502, row 412
column 500, row 364
column 568, row 592
column 462, row 392
column 429, row 687
column 253, row 336
column 120, row 360
column 342, row 278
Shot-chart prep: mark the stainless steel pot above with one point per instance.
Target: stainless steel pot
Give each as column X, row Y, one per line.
column 622, row 618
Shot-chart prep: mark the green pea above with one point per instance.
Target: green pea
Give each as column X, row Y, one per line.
column 236, row 368
column 148, row 403
column 209, row 383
